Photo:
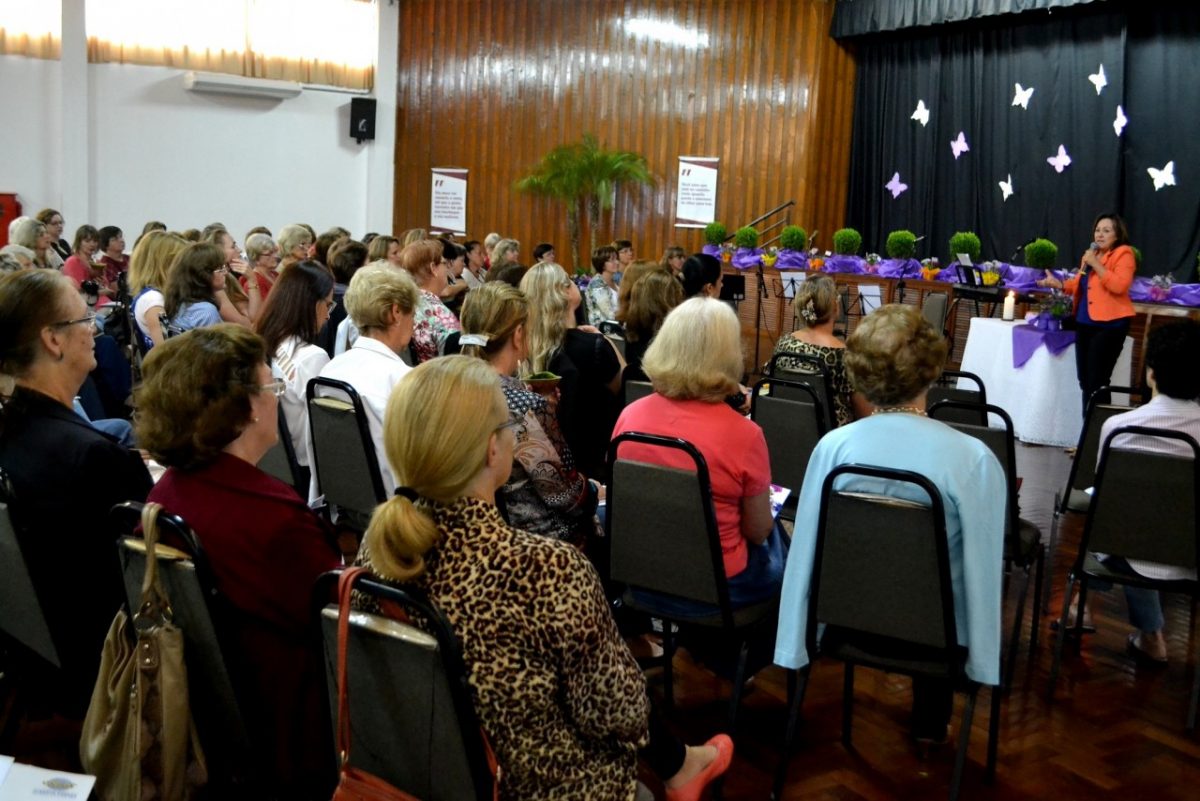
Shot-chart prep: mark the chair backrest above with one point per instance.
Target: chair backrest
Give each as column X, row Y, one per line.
column 636, row 390
column 21, row 615
column 1083, row 465
column 811, row 371
column 343, row 453
column 662, row 526
column 412, row 720
column 896, row 548
column 947, row 389
column 280, row 461
column 792, row 428
column 1144, row 504
column 933, row 309
column 1000, row 440
column 203, row 615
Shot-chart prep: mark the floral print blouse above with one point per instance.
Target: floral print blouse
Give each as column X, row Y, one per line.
column 432, row 323
column 601, row 301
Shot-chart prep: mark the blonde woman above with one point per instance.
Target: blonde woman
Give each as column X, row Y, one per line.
column 629, row 280
column 505, row 252
column 295, row 242
column 695, row 363
column 545, row 494
column 32, row 233
column 655, row 294
column 816, row 307
column 148, row 265
column 558, row 693
column 673, row 259
column 587, row 362
column 262, row 254
column 434, row 321
column 385, row 248
column 237, row 304
column 381, row 302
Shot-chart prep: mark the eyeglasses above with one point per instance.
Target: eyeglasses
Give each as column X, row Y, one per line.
column 89, row 318
column 222, row 270
column 507, row 424
column 276, row 388
column 330, row 305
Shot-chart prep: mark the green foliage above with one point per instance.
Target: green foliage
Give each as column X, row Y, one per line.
column 793, row 237
column 846, row 242
column 1137, row 256
column 746, row 237
column 1041, row 254
column 965, row 242
column 901, row 245
column 715, row 233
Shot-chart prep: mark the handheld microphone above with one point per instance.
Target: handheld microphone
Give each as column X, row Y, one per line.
column 1087, row 268
column 1021, row 247
column 1094, row 246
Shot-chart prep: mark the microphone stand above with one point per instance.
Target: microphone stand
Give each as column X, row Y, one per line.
column 758, row 314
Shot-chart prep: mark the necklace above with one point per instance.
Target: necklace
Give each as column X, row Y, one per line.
column 899, row 410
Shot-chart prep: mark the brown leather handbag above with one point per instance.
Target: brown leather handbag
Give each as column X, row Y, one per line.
column 138, row 737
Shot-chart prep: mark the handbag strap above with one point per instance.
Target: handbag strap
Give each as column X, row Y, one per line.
column 345, row 585
column 154, row 598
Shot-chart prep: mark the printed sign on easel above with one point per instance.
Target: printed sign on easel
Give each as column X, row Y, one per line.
column 448, row 201
column 696, row 194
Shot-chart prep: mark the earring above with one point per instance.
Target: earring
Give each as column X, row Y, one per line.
column 62, row 355
column 255, row 419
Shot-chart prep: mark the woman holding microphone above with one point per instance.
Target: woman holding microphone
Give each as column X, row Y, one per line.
column 1103, row 309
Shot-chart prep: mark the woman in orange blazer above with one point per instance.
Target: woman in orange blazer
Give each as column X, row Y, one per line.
column 1103, row 309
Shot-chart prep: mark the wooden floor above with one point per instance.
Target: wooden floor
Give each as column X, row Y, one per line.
column 1113, row 731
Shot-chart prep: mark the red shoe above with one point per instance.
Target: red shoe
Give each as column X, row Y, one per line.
column 693, row 789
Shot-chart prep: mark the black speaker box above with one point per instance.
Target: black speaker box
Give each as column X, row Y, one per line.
column 362, row 118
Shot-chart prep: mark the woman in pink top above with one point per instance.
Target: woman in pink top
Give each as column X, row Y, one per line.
column 80, row 267
column 695, row 363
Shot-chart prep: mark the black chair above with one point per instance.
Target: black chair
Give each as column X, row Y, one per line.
column 871, row 541
column 632, row 389
column 967, row 401
column 813, row 372
column 412, row 720
column 792, row 429
column 343, row 453
column 205, row 618
column 280, row 461
column 662, row 530
column 1144, row 507
column 933, row 308
column 615, row 333
column 21, row 616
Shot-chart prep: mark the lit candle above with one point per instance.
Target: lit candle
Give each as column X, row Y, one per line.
column 1010, row 303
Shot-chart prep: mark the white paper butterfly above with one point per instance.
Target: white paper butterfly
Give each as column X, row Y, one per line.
column 1098, row 80
column 1021, row 98
column 1006, row 187
column 1061, row 161
column 895, row 187
column 1119, row 122
column 921, row 115
column 1163, row 177
column 959, row 145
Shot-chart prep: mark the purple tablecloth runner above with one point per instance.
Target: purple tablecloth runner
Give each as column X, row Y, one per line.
column 1026, row 338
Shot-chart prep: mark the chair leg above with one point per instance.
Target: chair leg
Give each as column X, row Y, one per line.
column 1039, row 579
column 1080, row 605
column 847, row 702
column 1014, row 645
column 1062, row 636
column 964, row 739
column 1051, row 547
column 668, row 666
column 1191, row 717
column 789, row 735
column 739, row 679
column 989, row 774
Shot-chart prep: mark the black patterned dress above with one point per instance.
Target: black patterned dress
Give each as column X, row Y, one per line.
column 834, row 365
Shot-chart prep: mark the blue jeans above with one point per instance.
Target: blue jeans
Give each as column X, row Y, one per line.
column 760, row 581
column 1145, row 607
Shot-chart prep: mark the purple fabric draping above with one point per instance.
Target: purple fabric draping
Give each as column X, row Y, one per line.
column 845, row 264
column 746, row 258
column 791, row 260
column 899, row 268
column 1026, row 338
column 1178, row 294
column 1022, row 278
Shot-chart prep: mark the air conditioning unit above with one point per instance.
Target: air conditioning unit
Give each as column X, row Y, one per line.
column 217, row 83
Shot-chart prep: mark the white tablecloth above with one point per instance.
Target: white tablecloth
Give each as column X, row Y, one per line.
column 1042, row 396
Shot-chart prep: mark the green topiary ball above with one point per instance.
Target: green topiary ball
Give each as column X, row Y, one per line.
column 715, row 233
column 846, row 242
column 1041, row 254
column 965, row 242
column 901, row 245
column 793, row 237
column 746, row 237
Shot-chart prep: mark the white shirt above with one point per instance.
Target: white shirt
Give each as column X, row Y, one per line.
column 346, row 336
column 145, row 302
column 1161, row 412
column 297, row 363
column 373, row 369
column 473, row 282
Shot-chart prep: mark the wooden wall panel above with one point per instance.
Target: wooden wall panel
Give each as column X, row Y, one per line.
column 491, row 85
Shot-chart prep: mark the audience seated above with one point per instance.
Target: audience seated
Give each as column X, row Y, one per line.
column 345, row 257
column 53, row 220
column 558, row 694
column 455, row 260
column 152, row 257
column 602, row 288
column 194, row 279
column 381, row 301
column 385, row 248
column 817, row 304
column 656, row 292
column 207, row 411
column 14, row 258
column 694, row 364
column 296, row 310
column 504, row 253
column 31, row 233
column 629, row 280
column 587, row 362
column 66, row 475
column 79, row 266
column 673, row 259
column 702, row 276
column 238, row 305
column 112, row 256
column 476, row 269
column 1174, row 387
column 295, row 242
column 625, row 254
column 263, row 256
column 545, row 494
column 893, row 357
column 434, row 322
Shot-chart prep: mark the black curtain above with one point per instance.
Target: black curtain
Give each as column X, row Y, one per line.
column 859, row 17
column 966, row 76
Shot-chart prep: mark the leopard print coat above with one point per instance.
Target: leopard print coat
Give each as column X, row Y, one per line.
column 558, row 693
